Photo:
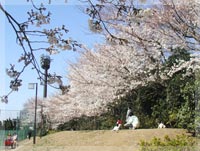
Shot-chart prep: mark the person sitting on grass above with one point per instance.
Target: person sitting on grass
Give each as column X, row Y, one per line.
column 118, row 125
column 132, row 121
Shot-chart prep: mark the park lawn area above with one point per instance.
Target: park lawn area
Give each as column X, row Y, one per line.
column 97, row 140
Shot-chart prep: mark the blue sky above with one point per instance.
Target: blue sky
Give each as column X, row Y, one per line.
column 68, row 14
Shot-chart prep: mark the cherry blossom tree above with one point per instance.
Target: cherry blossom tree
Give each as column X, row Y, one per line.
column 176, row 22
column 139, row 40
column 157, row 29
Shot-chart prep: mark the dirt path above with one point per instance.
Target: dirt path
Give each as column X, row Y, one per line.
column 102, row 140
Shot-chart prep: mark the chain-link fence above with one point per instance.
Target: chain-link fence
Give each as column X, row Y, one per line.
column 12, row 122
column 22, row 134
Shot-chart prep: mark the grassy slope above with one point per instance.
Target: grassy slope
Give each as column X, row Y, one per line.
column 102, row 140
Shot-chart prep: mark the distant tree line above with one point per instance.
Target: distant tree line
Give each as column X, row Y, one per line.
column 10, row 124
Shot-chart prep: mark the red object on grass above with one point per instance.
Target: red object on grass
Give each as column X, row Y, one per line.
column 8, row 142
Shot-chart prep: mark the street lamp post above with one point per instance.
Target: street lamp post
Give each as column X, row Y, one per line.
column 45, row 64
column 31, row 86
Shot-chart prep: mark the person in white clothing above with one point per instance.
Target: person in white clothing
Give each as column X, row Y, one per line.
column 129, row 111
